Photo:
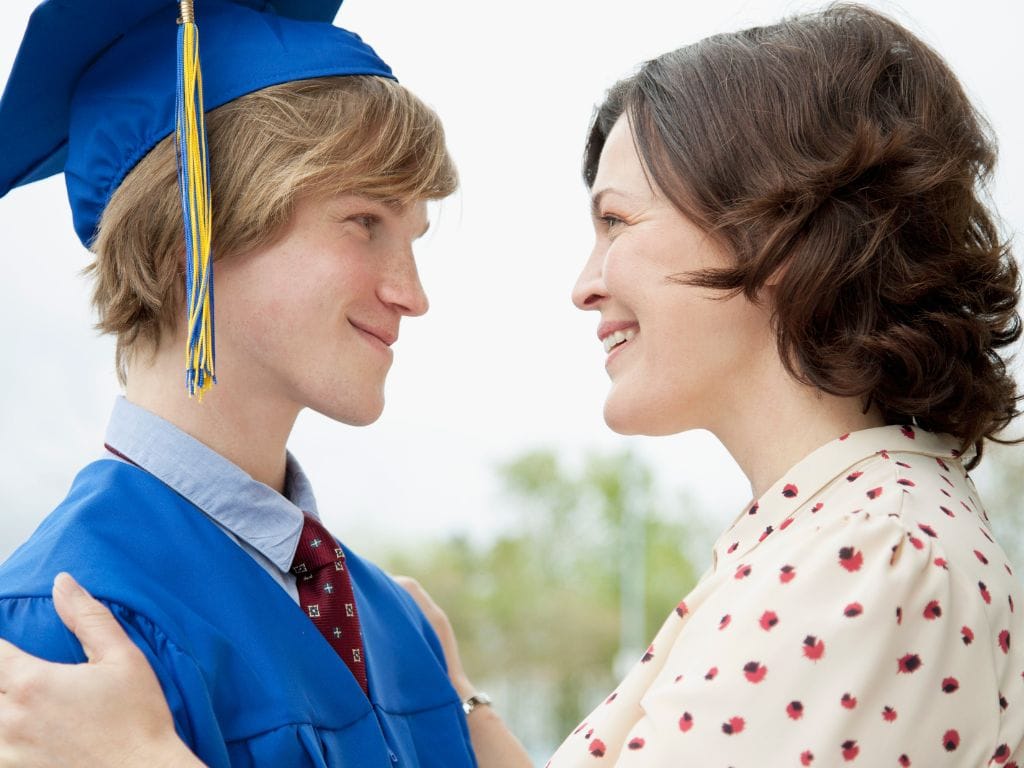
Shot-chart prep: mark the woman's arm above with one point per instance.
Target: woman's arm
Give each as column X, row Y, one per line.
column 494, row 744
column 111, row 713
column 108, row 713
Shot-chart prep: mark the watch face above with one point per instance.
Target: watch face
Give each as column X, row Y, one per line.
column 474, row 701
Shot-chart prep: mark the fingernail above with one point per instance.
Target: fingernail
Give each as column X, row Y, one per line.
column 66, row 584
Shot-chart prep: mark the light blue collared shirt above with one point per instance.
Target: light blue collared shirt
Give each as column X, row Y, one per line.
column 261, row 521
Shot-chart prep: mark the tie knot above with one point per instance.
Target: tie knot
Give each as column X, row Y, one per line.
column 317, row 549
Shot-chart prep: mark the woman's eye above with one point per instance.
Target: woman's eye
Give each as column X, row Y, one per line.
column 610, row 221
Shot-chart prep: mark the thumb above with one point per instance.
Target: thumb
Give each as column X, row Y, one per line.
column 90, row 621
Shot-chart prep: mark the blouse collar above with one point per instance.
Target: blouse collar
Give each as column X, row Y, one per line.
column 802, row 482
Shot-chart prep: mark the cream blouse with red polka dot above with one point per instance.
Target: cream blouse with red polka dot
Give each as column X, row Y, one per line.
column 859, row 613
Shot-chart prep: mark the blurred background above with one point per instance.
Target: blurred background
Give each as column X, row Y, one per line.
column 491, row 477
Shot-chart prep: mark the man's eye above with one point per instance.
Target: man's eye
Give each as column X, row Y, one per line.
column 611, row 221
column 366, row 220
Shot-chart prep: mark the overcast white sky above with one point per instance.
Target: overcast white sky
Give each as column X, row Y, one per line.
column 502, row 363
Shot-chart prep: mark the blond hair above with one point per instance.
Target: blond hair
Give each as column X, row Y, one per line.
column 326, row 136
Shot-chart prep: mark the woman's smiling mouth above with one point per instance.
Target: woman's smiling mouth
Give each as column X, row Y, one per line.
column 614, row 334
column 618, row 338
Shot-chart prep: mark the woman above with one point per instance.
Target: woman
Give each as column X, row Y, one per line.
column 791, row 253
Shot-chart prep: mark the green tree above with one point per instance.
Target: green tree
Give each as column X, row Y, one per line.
column 592, row 562
column 1001, row 484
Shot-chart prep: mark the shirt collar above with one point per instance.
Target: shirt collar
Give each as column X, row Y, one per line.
column 802, row 482
column 251, row 510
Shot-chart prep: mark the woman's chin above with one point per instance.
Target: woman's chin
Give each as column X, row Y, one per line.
column 630, row 415
column 624, row 417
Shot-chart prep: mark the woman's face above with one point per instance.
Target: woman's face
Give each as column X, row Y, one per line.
column 676, row 355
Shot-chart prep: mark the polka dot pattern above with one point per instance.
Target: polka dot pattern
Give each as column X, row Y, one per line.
column 858, row 613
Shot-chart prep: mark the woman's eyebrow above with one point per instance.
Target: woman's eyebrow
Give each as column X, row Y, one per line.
column 595, row 199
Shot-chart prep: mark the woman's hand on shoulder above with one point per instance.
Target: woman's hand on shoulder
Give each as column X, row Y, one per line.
column 107, row 713
column 493, row 743
column 443, row 628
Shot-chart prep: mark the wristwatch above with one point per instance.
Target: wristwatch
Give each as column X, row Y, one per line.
column 479, row 699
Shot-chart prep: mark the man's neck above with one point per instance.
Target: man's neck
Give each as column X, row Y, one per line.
column 243, row 425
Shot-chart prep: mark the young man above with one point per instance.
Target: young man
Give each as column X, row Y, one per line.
column 273, row 644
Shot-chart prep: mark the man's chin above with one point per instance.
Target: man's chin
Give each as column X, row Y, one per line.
column 354, row 414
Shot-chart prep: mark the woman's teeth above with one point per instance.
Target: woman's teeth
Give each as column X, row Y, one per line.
column 619, row 337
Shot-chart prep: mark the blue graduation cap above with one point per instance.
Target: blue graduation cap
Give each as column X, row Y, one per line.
column 98, row 83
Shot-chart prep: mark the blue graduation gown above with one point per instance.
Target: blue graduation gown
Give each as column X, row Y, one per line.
column 249, row 679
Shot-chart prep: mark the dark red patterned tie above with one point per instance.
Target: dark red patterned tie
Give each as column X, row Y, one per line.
column 325, row 594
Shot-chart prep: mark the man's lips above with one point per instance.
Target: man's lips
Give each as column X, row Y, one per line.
column 385, row 336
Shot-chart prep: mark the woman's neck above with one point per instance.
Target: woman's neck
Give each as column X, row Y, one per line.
column 774, row 422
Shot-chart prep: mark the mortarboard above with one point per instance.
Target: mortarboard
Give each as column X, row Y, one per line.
column 98, row 83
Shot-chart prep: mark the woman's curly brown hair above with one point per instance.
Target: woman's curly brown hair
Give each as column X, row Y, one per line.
column 836, row 156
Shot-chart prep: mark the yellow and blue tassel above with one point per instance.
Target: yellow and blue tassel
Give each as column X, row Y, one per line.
column 194, row 183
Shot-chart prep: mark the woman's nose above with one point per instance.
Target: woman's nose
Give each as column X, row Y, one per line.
column 590, row 288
